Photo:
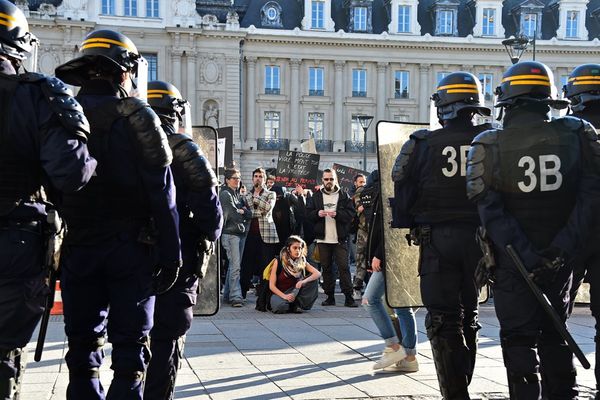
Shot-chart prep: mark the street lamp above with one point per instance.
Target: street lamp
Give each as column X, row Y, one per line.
column 365, row 122
column 515, row 47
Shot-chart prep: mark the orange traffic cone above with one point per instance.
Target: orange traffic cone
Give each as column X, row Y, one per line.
column 57, row 308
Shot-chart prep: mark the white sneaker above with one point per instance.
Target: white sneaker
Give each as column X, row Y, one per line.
column 389, row 357
column 357, row 295
column 403, row 366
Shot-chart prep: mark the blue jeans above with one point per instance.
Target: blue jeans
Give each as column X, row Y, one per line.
column 234, row 247
column 372, row 301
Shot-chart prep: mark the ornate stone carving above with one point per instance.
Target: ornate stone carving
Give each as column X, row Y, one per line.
column 48, row 60
column 210, row 21
column 211, row 72
column 183, row 8
column 211, row 113
column 47, row 10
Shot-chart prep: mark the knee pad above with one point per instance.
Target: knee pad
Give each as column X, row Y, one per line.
column 127, row 375
column 443, row 325
column 522, row 379
column 87, row 345
column 84, row 373
column 517, row 340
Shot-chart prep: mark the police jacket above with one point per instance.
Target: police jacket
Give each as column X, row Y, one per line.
column 133, row 184
column 429, row 177
column 198, row 203
column 344, row 214
column 535, row 182
column 43, row 138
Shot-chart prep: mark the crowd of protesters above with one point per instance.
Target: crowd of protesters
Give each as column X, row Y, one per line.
column 282, row 243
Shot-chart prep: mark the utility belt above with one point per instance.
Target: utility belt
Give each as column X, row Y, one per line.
column 419, row 236
column 18, row 225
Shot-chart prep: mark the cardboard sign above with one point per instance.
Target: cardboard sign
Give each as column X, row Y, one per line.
column 296, row 168
column 346, row 175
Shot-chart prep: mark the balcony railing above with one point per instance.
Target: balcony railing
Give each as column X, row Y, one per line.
column 401, row 94
column 352, row 146
column 272, row 91
column 273, row 144
column 359, row 93
column 316, row 92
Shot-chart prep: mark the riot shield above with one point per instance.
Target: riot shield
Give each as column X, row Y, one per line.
column 401, row 260
column 209, row 286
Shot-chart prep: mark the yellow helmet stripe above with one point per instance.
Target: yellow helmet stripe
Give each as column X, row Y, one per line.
column 155, row 96
column 8, row 24
column 529, row 82
column 161, row 91
column 586, row 77
column 8, row 17
column 87, row 46
column 516, row 77
column 586, row 83
column 462, row 91
column 458, row 85
column 106, row 40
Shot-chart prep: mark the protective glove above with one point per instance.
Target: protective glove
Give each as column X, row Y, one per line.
column 164, row 277
column 484, row 274
column 545, row 271
column 206, row 248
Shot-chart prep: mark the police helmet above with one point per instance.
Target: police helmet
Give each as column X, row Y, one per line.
column 583, row 86
column 458, row 91
column 103, row 51
column 15, row 38
column 528, row 81
column 165, row 96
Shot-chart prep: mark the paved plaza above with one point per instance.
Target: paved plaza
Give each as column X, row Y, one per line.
column 326, row 353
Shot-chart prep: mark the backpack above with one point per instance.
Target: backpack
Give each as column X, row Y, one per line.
column 263, row 293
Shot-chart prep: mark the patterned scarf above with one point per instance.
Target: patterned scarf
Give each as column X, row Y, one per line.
column 293, row 268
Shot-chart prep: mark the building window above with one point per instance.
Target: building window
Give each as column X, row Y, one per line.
column 403, row 19
column 152, row 65
column 358, row 135
column 572, row 24
column 359, row 83
column 360, row 19
column 563, row 82
column 152, row 8
column 315, row 125
column 272, row 121
column 318, row 12
column 441, row 75
column 401, row 84
column 487, row 85
column 108, row 7
column 530, row 24
column 315, row 81
column 445, row 21
column 272, row 83
column 489, row 20
column 130, row 8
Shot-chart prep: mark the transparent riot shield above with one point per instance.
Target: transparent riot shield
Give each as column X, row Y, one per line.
column 210, row 285
column 401, row 260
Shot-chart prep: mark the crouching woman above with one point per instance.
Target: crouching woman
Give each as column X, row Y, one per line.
column 293, row 281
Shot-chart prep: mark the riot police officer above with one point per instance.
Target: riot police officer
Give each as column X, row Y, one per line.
column 430, row 198
column 122, row 226
column 528, row 180
column 201, row 220
column 583, row 90
column 43, row 135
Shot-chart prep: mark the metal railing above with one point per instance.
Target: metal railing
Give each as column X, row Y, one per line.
column 273, row 144
column 352, row 146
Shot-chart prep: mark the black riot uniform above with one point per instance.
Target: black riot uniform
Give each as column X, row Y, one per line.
column 583, row 90
column 122, row 225
column 534, row 182
column 43, row 135
column 201, row 220
column 429, row 197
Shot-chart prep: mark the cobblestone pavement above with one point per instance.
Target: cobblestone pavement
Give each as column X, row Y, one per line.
column 325, row 353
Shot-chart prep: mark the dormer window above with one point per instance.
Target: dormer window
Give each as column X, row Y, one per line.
column 271, row 15
column 404, row 17
column 572, row 24
column 528, row 16
column 317, row 14
column 489, row 22
column 361, row 12
column 446, row 13
column 488, row 18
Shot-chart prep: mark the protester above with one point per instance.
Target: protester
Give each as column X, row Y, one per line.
column 293, row 290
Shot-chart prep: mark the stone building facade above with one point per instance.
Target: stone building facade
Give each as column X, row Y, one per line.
column 281, row 71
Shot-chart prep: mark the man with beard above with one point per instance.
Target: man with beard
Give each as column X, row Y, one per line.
column 262, row 241
column 331, row 210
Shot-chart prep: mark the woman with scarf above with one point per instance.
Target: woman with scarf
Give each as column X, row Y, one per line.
column 293, row 281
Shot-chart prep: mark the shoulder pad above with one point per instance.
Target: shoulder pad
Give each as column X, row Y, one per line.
column 590, row 131
column 152, row 140
column 399, row 168
column 67, row 109
column 198, row 171
column 568, row 122
column 486, row 137
column 32, row 77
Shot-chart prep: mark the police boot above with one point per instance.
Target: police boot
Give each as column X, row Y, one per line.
column 450, row 356
column 12, row 367
column 470, row 330
column 557, row 371
column 523, row 387
column 166, row 361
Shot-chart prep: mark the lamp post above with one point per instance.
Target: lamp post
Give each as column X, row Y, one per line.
column 365, row 122
column 515, row 47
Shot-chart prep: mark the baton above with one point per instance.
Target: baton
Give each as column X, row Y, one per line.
column 39, row 348
column 548, row 309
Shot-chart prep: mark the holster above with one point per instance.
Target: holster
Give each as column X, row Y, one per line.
column 419, row 236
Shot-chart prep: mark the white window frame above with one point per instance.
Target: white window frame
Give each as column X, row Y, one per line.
column 317, row 16
column 359, row 82
column 572, row 28
column 401, row 79
column 488, row 27
column 487, row 81
column 357, row 134
column 527, row 24
column 360, row 19
column 152, row 8
column 272, row 79
column 108, row 7
column 316, row 125
column 404, row 18
column 316, row 81
column 130, row 8
column 272, row 121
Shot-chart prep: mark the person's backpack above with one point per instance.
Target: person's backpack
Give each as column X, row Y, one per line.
column 263, row 293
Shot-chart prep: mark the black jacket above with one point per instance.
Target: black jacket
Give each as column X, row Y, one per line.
column 344, row 213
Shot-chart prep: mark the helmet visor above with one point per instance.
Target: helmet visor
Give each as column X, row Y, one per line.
column 140, row 79
column 30, row 63
column 434, row 121
column 186, row 118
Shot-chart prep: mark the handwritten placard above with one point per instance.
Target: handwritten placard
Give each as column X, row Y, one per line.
column 296, row 168
column 346, row 175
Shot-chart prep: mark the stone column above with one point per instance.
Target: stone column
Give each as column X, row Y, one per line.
column 176, row 64
column 251, row 101
column 424, row 92
column 338, row 106
column 191, row 83
column 381, row 91
column 295, row 124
